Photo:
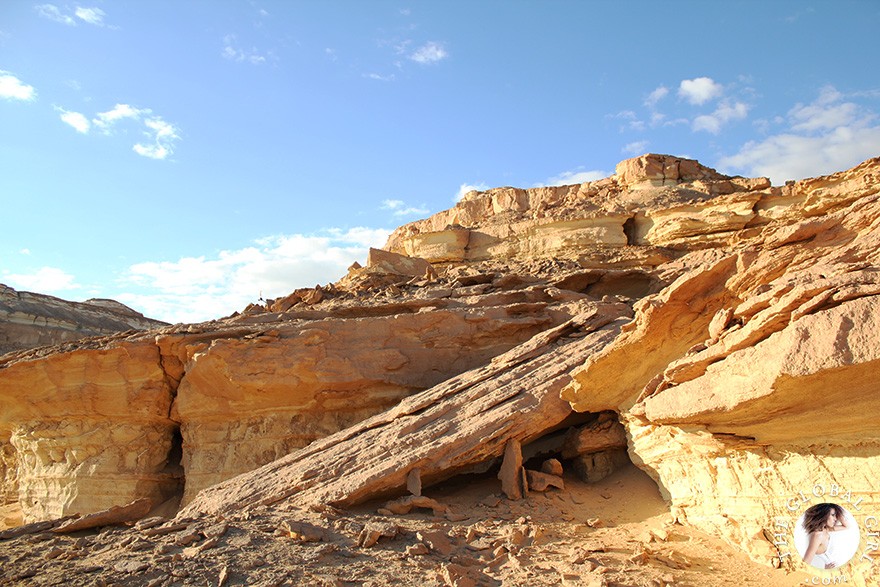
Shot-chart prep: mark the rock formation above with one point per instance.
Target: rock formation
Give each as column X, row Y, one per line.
column 719, row 332
column 29, row 320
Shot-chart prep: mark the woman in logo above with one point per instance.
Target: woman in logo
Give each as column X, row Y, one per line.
column 820, row 521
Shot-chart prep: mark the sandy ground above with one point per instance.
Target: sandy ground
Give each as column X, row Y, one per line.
column 617, row 532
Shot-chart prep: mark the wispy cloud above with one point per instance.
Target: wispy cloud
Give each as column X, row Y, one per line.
column 52, row 12
column 233, row 52
column 382, row 78
column 106, row 120
column 428, row 53
column 161, row 136
column 824, row 136
column 699, row 90
column 400, row 208
column 465, row 188
column 725, row 112
column 655, row 96
column 49, row 280
column 200, row 288
column 93, row 16
column 12, row 88
column 635, row 148
column 75, row 119
column 575, row 176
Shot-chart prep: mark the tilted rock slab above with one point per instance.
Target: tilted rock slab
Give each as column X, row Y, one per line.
column 461, row 425
column 102, row 422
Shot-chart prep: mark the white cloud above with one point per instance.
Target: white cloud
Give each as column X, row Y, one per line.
column 635, row 148
column 723, row 114
column 825, row 136
column 825, row 113
column 45, row 280
column 465, row 188
column 163, row 136
column 655, row 96
column 12, row 88
column 105, row 120
column 52, row 12
column 233, row 52
column 573, row 177
column 25, row 252
column 699, row 90
column 400, row 208
column 198, row 288
column 93, row 16
column 381, row 78
column 430, row 52
column 75, row 119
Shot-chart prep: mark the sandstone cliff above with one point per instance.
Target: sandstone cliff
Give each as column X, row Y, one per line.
column 29, row 320
column 738, row 351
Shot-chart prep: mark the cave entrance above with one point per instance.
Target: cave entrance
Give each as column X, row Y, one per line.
column 173, row 476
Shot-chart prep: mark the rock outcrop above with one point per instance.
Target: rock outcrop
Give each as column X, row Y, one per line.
column 29, row 320
column 736, row 363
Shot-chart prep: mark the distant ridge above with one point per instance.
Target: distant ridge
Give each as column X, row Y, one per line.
column 29, row 320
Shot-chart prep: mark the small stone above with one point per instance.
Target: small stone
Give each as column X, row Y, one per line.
column 151, row 522
column 510, row 472
column 658, row 535
column 130, row 566
column 417, row 549
column 414, row 482
column 491, row 501
column 539, row 481
column 552, row 467
column 595, row 523
column 436, row 540
column 54, row 553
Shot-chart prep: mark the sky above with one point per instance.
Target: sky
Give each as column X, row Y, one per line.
column 189, row 157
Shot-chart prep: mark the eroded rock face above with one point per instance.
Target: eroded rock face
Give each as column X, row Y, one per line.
column 246, row 402
column 654, row 201
column 84, row 430
column 753, row 376
column 29, row 320
column 102, row 422
column 748, row 368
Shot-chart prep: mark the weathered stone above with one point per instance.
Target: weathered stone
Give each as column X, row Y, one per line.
column 552, row 467
column 115, row 515
column 601, row 435
column 538, row 481
column 509, row 474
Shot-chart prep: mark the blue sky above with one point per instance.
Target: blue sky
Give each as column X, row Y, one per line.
column 186, row 157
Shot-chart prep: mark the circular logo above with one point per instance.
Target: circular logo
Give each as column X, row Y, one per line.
column 826, row 536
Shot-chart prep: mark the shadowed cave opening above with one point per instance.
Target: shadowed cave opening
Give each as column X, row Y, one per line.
column 173, row 475
column 590, row 446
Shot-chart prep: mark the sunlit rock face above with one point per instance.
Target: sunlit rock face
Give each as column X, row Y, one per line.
column 744, row 365
column 85, row 430
column 754, row 375
column 244, row 402
column 29, row 320
column 656, row 201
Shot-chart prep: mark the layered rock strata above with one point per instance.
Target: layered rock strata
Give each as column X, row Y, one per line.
column 29, row 320
column 139, row 413
column 753, row 377
column 746, row 375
